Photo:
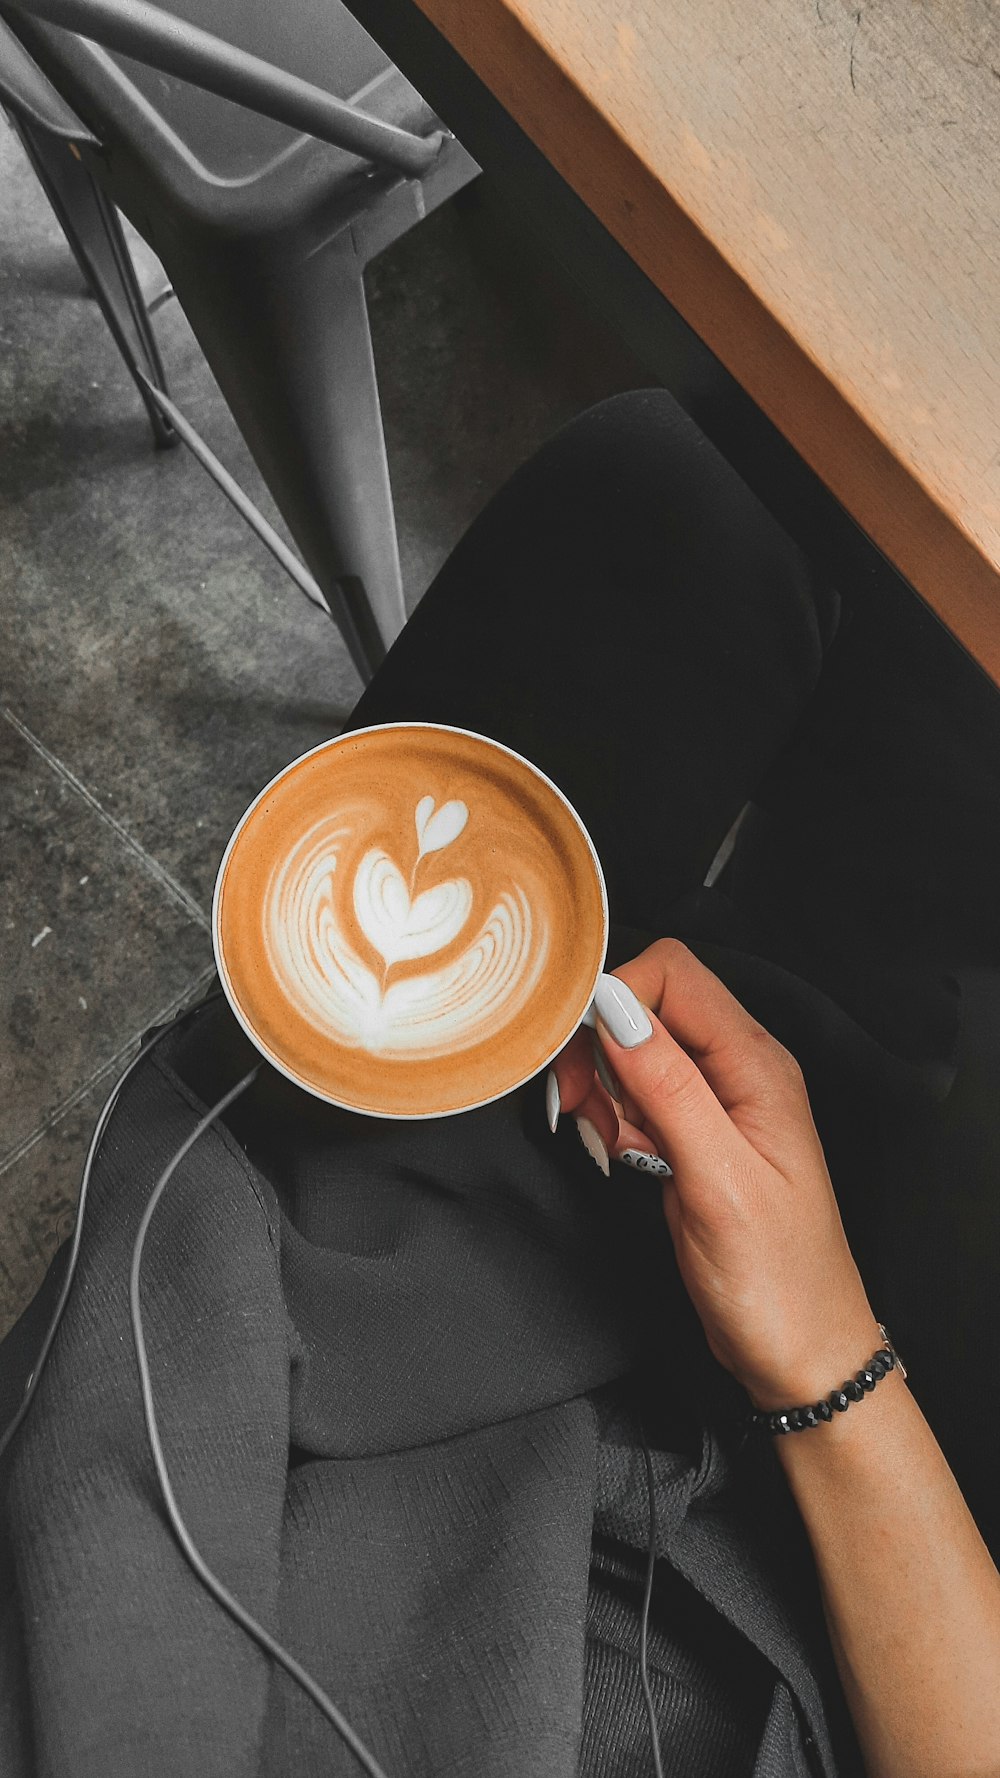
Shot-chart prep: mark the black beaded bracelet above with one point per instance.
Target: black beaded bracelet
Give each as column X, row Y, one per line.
column 855, row 1389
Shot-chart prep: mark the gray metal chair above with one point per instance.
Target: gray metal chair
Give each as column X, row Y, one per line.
column 265, row 168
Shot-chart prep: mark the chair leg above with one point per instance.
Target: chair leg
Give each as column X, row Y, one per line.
column 366, row 518
column 91, row 225
column 336, row 390
column 284, row 326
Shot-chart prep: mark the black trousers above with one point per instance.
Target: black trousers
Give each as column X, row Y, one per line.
column 627, row 615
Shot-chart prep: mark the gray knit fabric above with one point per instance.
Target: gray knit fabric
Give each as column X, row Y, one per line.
column 397, row 1370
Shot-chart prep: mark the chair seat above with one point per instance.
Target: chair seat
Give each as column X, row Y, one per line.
column 317, row 40
column 213, row 161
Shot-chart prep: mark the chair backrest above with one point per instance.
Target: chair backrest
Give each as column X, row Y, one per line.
column 172, row 62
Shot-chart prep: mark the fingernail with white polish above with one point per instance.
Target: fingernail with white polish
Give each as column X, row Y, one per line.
column 595, row 1144
column 607, row 1077
column 590, row 1016
column 643, row 1162
column 625, row 1016
column 553, row 1104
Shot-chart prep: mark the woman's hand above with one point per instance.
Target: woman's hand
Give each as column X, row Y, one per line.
column 909, row 1587
column 755, row 1225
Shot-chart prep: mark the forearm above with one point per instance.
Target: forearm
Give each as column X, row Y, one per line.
column 911, row 1594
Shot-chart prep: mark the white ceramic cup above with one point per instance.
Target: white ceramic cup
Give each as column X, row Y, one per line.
column 285, row 947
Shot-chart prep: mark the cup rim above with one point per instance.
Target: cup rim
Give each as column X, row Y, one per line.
column 230, row 993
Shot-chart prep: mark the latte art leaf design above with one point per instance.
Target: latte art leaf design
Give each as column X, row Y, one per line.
column 432, row 1013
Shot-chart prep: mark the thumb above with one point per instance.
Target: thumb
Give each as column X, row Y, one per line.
column 677, row 1105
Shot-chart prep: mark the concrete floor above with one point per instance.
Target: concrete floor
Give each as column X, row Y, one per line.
column 157, row 668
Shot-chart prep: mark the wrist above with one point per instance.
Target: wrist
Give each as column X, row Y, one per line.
column 852, row 1461
column 820, row 1367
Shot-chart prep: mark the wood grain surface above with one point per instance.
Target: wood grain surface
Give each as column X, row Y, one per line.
column 815, row 186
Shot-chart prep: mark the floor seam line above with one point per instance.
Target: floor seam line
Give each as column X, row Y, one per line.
column 63, row 1109
column 149, row 863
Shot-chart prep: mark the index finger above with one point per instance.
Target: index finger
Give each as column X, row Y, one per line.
column 737, row 1056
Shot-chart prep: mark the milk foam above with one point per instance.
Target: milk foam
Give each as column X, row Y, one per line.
column 426, row 1014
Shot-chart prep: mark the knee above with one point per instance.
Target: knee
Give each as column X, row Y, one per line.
column 645, row 486
column 640, row 440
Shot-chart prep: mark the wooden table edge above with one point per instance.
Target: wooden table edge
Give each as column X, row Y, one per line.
column 939, row 559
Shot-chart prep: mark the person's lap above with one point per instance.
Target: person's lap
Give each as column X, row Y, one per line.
column 626, row 615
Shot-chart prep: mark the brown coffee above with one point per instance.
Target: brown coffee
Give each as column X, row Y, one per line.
column 410, row 920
